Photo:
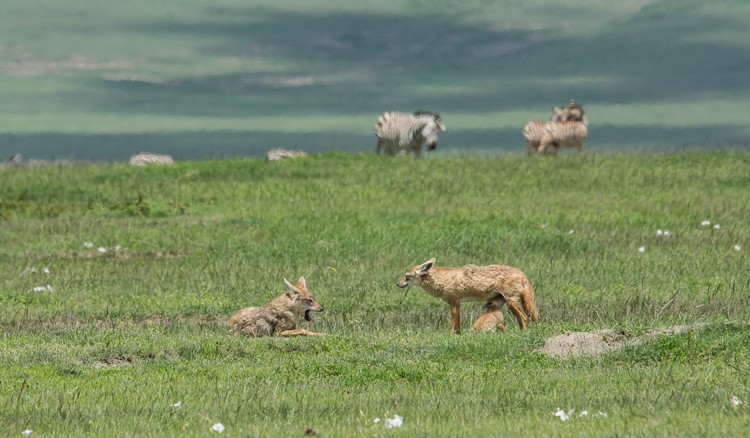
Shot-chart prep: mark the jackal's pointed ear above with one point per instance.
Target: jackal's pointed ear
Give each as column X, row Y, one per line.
column 426, row 266
column 301, row 283
column 290, row 289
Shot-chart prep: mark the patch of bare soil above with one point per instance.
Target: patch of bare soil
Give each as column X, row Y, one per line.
column 112, row 362
column 75, row 324
column 578, row 344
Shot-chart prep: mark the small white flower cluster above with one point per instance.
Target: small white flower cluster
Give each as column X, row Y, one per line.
column 101, row 249
column 707, row 223
column 46, row 288
column 390, row 423
column 667, row 233
column 565, row 416
column 736, row 402
column 44, row 270
column 27, row 432
column 217, row 427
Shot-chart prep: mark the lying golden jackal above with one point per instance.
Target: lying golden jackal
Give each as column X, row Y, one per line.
column 475, row 283
column 492, row 318
column 279, row 317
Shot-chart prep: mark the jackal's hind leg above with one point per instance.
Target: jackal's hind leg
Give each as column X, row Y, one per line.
column 523, row 320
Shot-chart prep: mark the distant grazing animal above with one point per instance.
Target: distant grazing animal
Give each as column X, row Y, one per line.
column 475, row 283
column 279, row 317
column 16, row 160
column 567, row 128
column 400, row 133
column 280, row 154
column 492, row 318
column 564, row 135
column 148, row 158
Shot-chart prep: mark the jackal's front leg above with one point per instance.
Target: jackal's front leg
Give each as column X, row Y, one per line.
column 455, row 318
column 298, row 332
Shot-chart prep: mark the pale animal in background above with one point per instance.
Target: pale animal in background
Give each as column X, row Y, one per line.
column 534, row 131
column 280, row 154
column 279, row 317
column 400, row 133
column 148, row 158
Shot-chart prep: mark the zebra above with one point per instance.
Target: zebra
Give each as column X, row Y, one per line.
column 280, row 154
column 148, row 158
column 570, row 133
column 400, row 133
column 535, row 129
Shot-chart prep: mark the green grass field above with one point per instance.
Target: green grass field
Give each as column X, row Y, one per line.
column 135, row 342
column 118, row 282
column 87, row 80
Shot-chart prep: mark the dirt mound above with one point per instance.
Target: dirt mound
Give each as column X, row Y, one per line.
column 578, row 344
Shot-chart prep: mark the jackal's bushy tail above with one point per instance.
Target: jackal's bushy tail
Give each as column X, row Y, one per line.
column 527, row 301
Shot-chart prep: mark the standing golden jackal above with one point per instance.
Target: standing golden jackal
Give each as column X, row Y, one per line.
column 492, row 318
column 279, row 317
column 475, row 283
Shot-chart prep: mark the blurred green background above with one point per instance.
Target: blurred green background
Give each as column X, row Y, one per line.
column 100, row 80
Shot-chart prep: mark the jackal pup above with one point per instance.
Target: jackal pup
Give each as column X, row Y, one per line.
column 492, row 318
column 279, row 317
column 475, row 283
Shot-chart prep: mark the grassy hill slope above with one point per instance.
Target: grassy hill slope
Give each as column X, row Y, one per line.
column 131, row 339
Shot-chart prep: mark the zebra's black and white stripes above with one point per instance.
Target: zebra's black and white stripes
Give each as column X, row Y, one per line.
column 568, row 127
column 147, row 158
column 400, row 133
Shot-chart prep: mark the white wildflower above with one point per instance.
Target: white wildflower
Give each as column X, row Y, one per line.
column 667, row 233
column 396, row 421
column 218, row 427
column 376, row 420
column 102, row 249
column 117, row 248
column 27, row 432
column 659, row 232
column 717, row 226
column 561, row 414
column 706, row 223
column 46, row 288
column 178, row 404
column 571, row 232
column 736, row 402
column 601, row 414
column 88, row 245
column 642, row 249
column 584, row 414
column 46, row 270
column 33, row 270
column 737, row 247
